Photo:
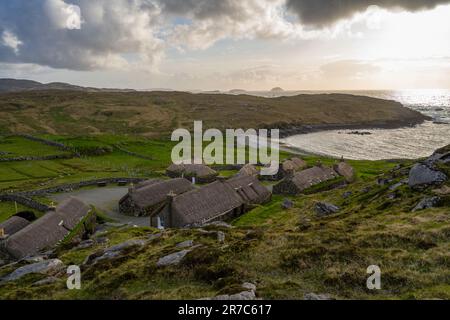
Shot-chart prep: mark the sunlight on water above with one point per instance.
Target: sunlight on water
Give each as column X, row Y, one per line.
column 410, row 143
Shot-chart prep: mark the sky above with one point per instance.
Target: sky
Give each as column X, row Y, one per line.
column 228, row 44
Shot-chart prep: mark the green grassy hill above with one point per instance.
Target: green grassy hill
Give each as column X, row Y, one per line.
column 158, row 113
column 285, row 253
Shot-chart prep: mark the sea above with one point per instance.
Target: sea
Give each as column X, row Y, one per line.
column 377, row 144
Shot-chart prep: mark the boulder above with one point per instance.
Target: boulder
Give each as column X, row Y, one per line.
column 126, row 245
column 287, row 204
column 345, row 170
column 114, row 251
column 46, row 281
column 44, row 267
column 185, row 244
column 154, row 236
column 427, row 203
column 324, row 209
column 422, row 175
column 172, row 259
column 313, row 296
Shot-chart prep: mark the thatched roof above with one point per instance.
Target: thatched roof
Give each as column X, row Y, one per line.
column 293, row 165
column 147, row 183
column 249, row 170
column 72, row 211
column 13, row 225
column 218, row 198
column 200, row 171
column 310, row 177
column 210, row 201
column 47, row 231
column 156, row 193
column 249, row 189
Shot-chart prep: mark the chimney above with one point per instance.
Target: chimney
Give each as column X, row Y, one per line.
column 2, row 233
column 169, row 200
column 131, row 188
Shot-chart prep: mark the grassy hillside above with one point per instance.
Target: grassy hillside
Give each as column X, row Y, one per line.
column 158, row 113
column 286, row 253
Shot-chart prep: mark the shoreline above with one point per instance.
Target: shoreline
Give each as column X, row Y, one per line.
column 292, row 129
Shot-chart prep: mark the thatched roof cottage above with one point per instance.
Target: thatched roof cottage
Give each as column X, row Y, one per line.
column 305, row 179
column 150, row 196
column 13, row 225
column 248, row 170
column 201, row 172
column 288, row 168
column 219, row 200
column 47, row 231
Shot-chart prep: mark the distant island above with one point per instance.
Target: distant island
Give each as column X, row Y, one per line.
column 277, row 90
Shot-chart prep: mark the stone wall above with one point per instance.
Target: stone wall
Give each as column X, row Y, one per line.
column 45, row 141
column 25, row 201
column 131, row 153
column 25, row 198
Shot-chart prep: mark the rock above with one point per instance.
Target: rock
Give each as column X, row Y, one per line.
column 245, row 295
column 345, row 170
column 347, row 194
column 106, row 256
column 220, row 236
column 313, row 296
column 2, row 262
column 382, row 181
column 427, row 203
column 172, row 259
column 304, row 223
column 114, row 251
column 396, row 186
column 154, row 236
column 325, row 209
column 392, row 196
column 35, row 259
column 85, row 244
column 126, row 245
column 45, row 281
column 185, row 244
column 421, row 175
column 287, row 204
column 445, row 190
column 40, row 267
column 249, row 286
column 102, row 240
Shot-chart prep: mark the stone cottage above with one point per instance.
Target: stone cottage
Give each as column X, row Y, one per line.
column 149, row 197
column 219, row 200
column 201, row 172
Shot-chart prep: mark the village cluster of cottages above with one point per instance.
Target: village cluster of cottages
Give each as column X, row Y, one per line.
column 193, row 196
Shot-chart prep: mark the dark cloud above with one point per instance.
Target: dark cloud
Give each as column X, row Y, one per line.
column 78, row 34
column 320, row 13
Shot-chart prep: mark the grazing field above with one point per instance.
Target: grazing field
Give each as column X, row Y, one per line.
column 16, row 146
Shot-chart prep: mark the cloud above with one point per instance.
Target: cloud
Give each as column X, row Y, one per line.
column 80, row 34
column 320, row 13
column 212, row 20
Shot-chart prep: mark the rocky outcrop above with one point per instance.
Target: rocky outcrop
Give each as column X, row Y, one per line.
column 287, row 204
column 427, row 203
column 324, row 209
column 44, row 267
column 172, row 259
column 422, row 175
column 345, row 170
